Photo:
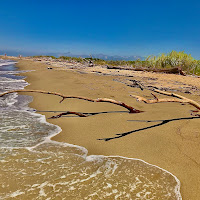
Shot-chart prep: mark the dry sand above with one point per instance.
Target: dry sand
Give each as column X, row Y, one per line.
column 173, row 146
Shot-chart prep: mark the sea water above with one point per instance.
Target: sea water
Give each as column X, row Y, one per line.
column 32, row 166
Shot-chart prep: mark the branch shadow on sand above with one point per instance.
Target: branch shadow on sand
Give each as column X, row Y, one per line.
column 68, row 113
column 162, row 122
column 120, row 135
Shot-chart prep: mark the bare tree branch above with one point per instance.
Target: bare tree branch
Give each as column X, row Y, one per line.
column 190, row 101
column 175, row 70
column 119, row 103
column 178, row 98
column 67, row 113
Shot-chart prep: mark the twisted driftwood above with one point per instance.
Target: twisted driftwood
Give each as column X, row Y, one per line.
column 119, row 103
column 178, row 98
column 175, row 70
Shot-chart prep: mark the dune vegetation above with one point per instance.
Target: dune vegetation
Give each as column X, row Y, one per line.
column 164, row 61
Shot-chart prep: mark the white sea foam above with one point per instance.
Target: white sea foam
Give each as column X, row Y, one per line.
column 6, row 62
column 6, row 80
column 15, row 72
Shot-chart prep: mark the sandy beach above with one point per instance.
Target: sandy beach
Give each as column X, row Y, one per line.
column 173, row 146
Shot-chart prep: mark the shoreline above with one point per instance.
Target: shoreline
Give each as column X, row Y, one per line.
column 38, row 104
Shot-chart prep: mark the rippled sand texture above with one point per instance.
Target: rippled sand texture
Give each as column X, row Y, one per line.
column 53, row 171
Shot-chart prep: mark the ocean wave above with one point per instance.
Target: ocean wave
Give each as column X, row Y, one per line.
column 14, row 72
column 6, row 62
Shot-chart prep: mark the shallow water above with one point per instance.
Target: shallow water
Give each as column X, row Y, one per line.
column 34, row 167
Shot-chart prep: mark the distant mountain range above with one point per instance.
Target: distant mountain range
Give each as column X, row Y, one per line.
column 100, row 56
column 69, row 54
column 116, row 57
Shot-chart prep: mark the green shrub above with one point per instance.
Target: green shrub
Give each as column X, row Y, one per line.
column 41, row 56
column 175, row 59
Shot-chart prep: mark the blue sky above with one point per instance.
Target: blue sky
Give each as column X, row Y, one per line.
column 113, row 27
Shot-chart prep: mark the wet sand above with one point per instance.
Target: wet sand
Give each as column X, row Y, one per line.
column 173, row 146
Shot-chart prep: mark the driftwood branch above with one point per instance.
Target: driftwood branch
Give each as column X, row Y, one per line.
column 119, row 103
column 67, row 113
column 175, row 70
column 178, row 98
